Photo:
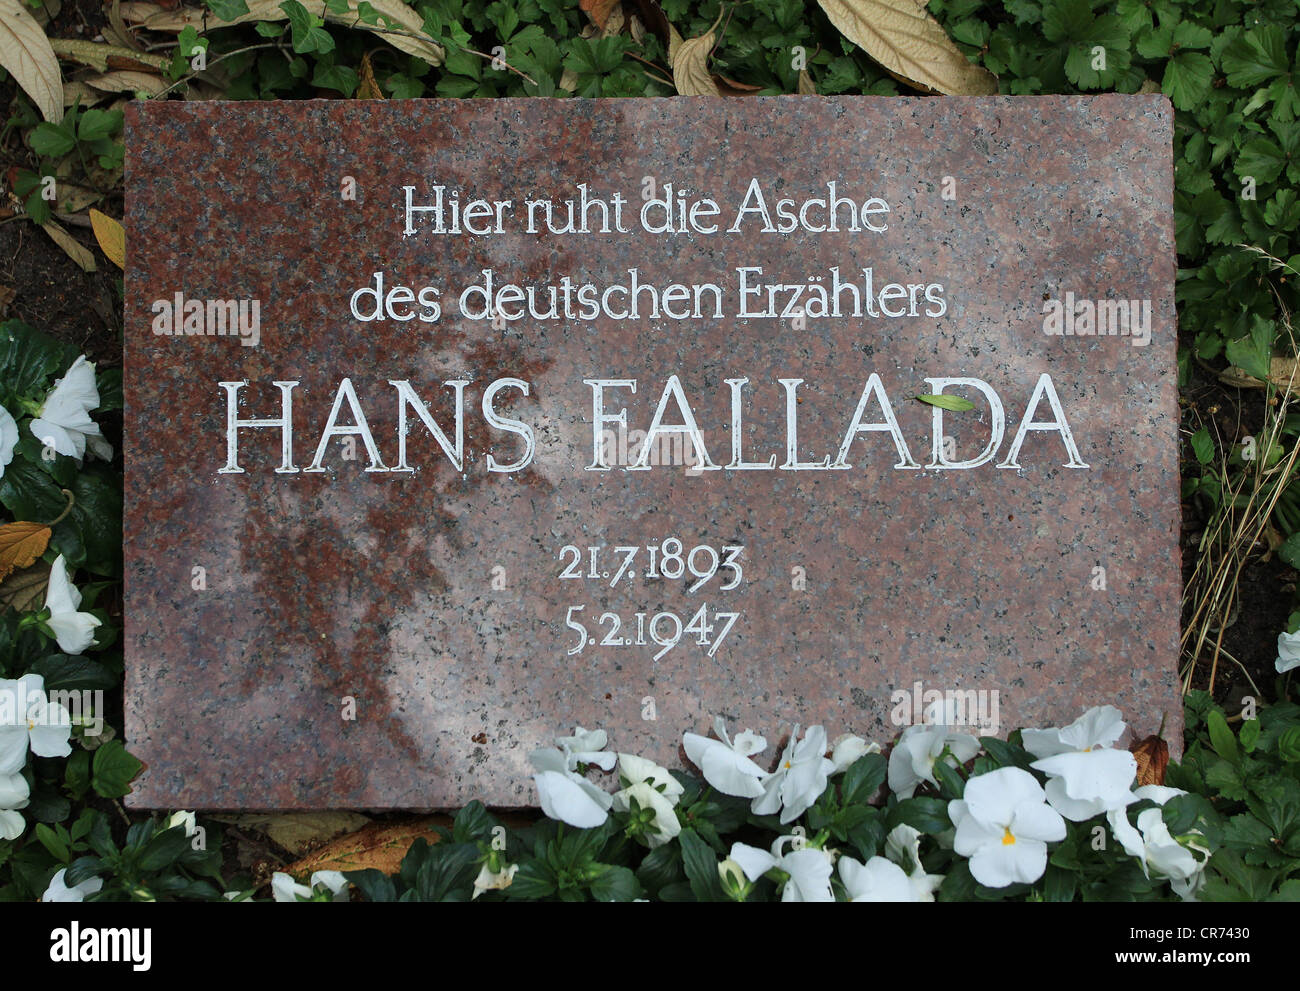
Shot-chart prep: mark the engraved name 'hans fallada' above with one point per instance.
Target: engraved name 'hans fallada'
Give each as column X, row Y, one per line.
column 674, row 414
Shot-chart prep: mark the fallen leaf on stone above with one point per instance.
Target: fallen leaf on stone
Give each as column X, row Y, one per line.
column 153, row 17
column 910, row 45
column 26, row 53
column 690, row 62
column 1152, row 755
column 379, row 846
column 111, row 237
column 21, row 544
column 25, row 590
column 958, row 404
column 299, row 832
column 71, row 245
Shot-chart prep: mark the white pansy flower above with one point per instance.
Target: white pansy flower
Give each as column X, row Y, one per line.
column 799, row 779
column 285, row 889
column 75, row 631
column 8, row 439
column 903, row 847
column 1100, row 726
column 586, row 747
column 665, row 825
column 64, row 418
column 1288, row 651
column 566, row 796
column 1158, row 851
column 1083, row 785
column 28, row 720
column 490, row 880
column 913, row 757
column 1003, row 825
column 809, row 869
column 878, row 880
column 726, row 765
column 14, row 795
column 847, row 749
column 58, row 891
column 638, row 769
column 187, row 819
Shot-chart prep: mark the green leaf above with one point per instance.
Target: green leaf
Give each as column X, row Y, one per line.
column 52, row 140
column 1253, row 354
column 1203, row 446
column 51, row 840
column 375, row 885
column 163, row 849
column 615, row 884
column 68, row 673
column 1221, row 738
column 1249, row 734
column 701, row 865
column 95, row 124
column 29, row 361
column 863, row 779
column 956, row 403
column 929, row 815
column 1256, row 57
column 1188, row 78
column 113, row 770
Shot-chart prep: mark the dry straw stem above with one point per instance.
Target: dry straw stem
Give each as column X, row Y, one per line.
column 1233, row 532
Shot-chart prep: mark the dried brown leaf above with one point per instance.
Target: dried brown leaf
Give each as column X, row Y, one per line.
column 154, row 17
column 104, row 57
column 379, row 846
column 299, row 832
column 806, row 85
column 1152, row 755
column 75, row 250
column 21, row 544
column 910, row 45
column 127, row 81
column 367, row 88
column 690, row 61
column 25, row 590
column 28, row 56
column 598, row 10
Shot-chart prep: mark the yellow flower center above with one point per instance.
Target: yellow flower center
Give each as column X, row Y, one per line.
column 788, row 765
column 1007, row 838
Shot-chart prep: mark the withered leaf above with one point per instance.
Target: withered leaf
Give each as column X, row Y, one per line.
column 367, row 88
column 21, row 544
column 690, row 62
column 25, row 590
column 1152, row 755
column 111, row 237
column 910, row 45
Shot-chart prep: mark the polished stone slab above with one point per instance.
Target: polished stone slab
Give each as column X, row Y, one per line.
column 316, row 628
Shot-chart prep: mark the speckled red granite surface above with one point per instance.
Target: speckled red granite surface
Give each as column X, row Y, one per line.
column 379, row 586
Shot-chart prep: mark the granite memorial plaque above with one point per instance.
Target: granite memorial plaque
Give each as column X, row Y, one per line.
column 451, row 425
